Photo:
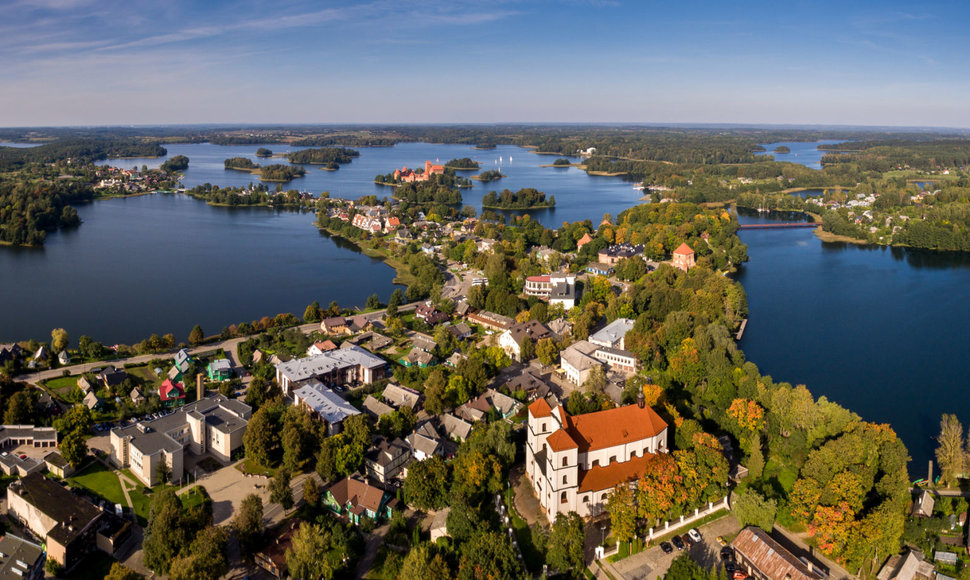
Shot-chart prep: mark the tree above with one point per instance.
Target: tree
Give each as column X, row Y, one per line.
column 261, row 439
column 546, row 351
column 311, row 492
column 422, row 562
column 327, row 460
column 434, row 392
column 566, row 540
column 949, row 453
column 59, row 340
column 623, row 512
column 77, row 419
column 373, row 302
column 596, row 381
column 307, row 554
column 163, row 473
column 527, row 349
column 751, row 508
column 248, row 522
column 312, row 312
column 279, row 489
column 74, row 448
column 685, row 568
column 396, row 300
column 196, row 336
column 166, row 532
column 426, row 485
column 206, row 557
column 488, row 555
column 20, row 409
column 119, row 571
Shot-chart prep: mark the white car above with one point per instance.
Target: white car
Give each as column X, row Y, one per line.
column 694, row 534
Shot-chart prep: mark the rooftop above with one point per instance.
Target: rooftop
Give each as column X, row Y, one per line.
column 18, row 556
column 770, row 557
column 51, row 499
column 613, row 332
column 313, row 366
column 330, row 406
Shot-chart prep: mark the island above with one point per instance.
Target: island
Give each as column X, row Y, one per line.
column 562, row 162
column 526, row 198
column 263, row 152
column 463, row 164
column 330, row 157
column 177, row 163
column 489, row 175
column 782, row 149
column 277, row 172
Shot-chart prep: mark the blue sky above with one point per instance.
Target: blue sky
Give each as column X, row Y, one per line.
column 92, row 62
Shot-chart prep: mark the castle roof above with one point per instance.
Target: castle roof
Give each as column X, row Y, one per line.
column 684, row 249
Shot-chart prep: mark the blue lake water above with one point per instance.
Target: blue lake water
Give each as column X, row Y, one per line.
column 806, row 153
column 578, row 195
column 878, row 330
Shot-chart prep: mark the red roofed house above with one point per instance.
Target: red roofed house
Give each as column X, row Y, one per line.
column 574, row 462
column 171, row 394
column 583, row 241
column 684, row 257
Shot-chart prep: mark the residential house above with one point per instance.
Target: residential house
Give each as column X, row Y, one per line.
column 429, row 314
column 462, row 309
column 321, row 347
column 171, row 394
column 219, row 370
column 613, row 254
column 417, row 358
column 461, row 331
column 599, row 269
column 922, row 506
column 555, row 288
column 376, row 407
column 372, row 341
column 346, row 366
column 574, row 462
column 909, row 566
column 112, row 377
column 66, row 523
column 439, row 524
column 385, row 460
column 424, row 442
column 455, row 359
column 583, row 241
column 477, row 408
column 512, row 339
column 92, row 401
column 399, row 396
column 324, row 404
column 474, row 410
column 763, row 558
column 272, row 558
column 63, row 358
column 9, row 352
column 20, row 559
column 182, row 360
column 84, row 384
column 353, row 499
column 683, row 257
column 334, row 325
column 491, row 321
column 612, row 335
column 577, row 361
column 534, row 384
column 137, row 397
column 423, row 341
column 561, row 327
column 213, row 426
column 455, row 428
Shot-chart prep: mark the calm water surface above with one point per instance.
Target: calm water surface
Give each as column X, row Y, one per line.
column 806, row 153
column 881, row 331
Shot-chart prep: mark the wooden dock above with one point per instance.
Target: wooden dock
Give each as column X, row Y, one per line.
column 744, row 324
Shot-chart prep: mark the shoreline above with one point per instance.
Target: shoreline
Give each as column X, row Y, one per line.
column 543, row 206
column 402, row 273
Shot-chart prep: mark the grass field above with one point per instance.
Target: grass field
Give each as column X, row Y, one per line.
column 62, row 387
column 100, row 480
column 193, row 497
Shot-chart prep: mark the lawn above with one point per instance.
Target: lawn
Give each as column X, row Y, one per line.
column 62, row 387
column 195, row 496
column 250, row 467
column 141, row 503
column 100, row 480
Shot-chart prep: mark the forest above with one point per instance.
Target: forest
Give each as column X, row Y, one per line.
column 323, row 156
column 240, row 164
column 177, row 163
column 463, row 163
column 79, row 151
column 30, row 209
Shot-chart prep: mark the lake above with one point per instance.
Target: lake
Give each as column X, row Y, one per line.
column 163, row 263
column 878, row 330
column 806, row 153
column 578, row 195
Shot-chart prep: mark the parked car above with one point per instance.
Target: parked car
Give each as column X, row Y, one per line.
column 666, row 547
column 694, row 534
column 678, row 543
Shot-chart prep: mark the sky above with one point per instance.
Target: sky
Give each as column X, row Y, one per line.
column 120, row 62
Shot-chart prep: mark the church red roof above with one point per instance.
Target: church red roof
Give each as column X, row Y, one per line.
column 684, row 249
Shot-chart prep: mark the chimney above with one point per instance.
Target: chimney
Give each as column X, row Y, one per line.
column 641, row 400
column 199, row 391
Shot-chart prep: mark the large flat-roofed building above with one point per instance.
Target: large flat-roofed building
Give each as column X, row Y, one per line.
column 65, row 522
column 574, row 462
column 763, row 558
column 325, row 405
column 213, row 425
column 613, row 254
column 345, row 366
column 613, row 334
column 20, row 559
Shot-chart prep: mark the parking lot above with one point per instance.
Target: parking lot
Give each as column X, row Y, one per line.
column 653, row 563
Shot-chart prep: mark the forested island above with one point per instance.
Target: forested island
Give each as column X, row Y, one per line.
column 562, row 162
column 177, row 163
column 463, row 164
column 329, row 157
column 264, row 152
column 276, row 172
column 526, row 198
column 782, row 149
column 428, row 193
column 488, row 175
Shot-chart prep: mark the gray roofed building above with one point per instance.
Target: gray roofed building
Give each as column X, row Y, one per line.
column 57, row 465
column 423, row 341
column 112, row 376
column 13, row 435
column 912, row 566
column 425, row 441
column 386, row 459
column 91, row 401
column 612, row 335
column 182, row 360
column 460, row 331
column 20, row 559
column 343, row 366
column 577, row 360
column 137, row 397
column 12, row 464
column 417, row 357
column 84, row 384
column 456, row 358
column 10, row 351
column 535, row 385
column 325, row 404
column 455, row 427
column 376, row 407
column 399, row 396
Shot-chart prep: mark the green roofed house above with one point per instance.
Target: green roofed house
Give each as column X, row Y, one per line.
column 220, row 370
column 353, row 498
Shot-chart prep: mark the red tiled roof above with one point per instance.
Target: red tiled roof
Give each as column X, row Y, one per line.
column 165, row 390
column 684, row 249
column 561, row 441
column 600, row 478
column 584, row 240
column 614, row 427
column 540, row 408
column 325, row 345
column 358, row 493
column 537, row 279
